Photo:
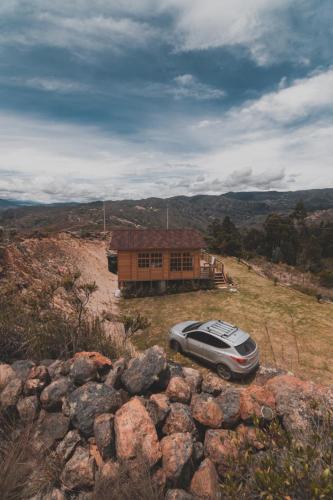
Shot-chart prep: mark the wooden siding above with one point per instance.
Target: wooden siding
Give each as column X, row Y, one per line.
column 128, row 269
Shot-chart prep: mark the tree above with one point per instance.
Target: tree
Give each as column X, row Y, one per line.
column 299, row 212
column 224, row 237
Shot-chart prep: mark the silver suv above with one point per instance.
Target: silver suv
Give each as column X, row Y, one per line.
column 230, row 349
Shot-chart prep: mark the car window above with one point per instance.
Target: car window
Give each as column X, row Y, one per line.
column 192, row 326
column 207, row 339
column 246, row 348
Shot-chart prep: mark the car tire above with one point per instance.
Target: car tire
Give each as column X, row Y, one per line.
column 175, row 346
column 224, row 372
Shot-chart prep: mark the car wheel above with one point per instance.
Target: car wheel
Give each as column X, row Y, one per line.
column 224, row 372
column 175, row 346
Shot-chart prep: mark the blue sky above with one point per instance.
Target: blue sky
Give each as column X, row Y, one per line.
column 134, row 98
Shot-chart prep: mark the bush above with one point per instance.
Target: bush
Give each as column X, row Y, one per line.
column 326, row 279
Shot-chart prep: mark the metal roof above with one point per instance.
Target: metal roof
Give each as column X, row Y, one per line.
column 159, row 239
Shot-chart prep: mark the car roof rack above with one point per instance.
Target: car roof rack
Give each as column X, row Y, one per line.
column 222, row 329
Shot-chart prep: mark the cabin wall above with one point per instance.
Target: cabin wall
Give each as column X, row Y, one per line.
column 128, row 269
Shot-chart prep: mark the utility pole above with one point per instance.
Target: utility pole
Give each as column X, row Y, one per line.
column 104, row 217
column 167, row 220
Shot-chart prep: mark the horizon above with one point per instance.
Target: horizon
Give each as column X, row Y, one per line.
column 118, row 101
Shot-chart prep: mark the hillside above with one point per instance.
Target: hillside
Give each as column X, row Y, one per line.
column 247, row 208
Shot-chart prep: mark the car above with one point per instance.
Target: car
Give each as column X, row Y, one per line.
column 231, row 350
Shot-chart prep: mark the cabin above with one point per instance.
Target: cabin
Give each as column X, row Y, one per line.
column 160, row 257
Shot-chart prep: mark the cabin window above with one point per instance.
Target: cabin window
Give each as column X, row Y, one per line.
column 146, row 260
column 143, row 260
column 176, row 262
column 156, row 260
column 187, row 262
column 181, row 262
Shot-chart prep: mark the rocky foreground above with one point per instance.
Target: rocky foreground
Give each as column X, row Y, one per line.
column 184, row 429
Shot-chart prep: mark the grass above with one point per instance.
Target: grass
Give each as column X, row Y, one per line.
column 292, row 329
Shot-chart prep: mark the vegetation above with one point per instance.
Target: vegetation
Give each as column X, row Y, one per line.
column 287, row 239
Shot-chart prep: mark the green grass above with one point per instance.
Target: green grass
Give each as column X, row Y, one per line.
column 294, row 321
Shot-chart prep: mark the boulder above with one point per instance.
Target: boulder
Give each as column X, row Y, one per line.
column 55, row 369
column 135, row 433
column 206, row 410
column 256, row 402
column 204, row 484
column 113, row 378
column 6, row 375
column 229, row 402
column 53, row 395
column 37, row 379
column 83, row 370
column 175, row 369
column 109, row 471
column 90, row 400
column 177, row 451
column 212, row 384
column 10, row 395
column 193, row 378
column 51, row 427
column 28, row 408
column 177, row 494
column 102, row 363
column 178, row 390
column 104, row 435
column 198, row 451
column 158, row 482
column 179, row 420
column 79, row 471
column 66, row 447
column 158, row 408
column 22, row 368
column 250, row 437
column 221, row 447
column 147, row 369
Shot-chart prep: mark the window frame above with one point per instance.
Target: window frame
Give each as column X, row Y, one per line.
column 143, row 260
column 181, row 261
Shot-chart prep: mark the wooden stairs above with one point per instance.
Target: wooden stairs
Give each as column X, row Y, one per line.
column 220, row 279
column 213, row 267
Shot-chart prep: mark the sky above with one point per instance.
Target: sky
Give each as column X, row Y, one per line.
column 115, row 99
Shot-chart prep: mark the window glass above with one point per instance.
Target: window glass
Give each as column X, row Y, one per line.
column 143, row 260
column 187, row 262
column 247, row 347
column 176, row 262
column 156, row 260
column 214, row 342
column 199, row 336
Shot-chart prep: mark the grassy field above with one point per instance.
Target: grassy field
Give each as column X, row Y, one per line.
column 292, row 330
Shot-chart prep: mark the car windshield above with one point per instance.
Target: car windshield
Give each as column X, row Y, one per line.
column 192, row 326
column 246, row 348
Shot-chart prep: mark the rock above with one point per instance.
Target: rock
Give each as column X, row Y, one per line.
column 22, row 368
column 286, row 384
column 178, row 494
column 135, row 433
column 265, row 373
column 178, row 390
column 50, row 428
column 28, row 408
column 177, row 450
column 198, row 451
column 158, row 482
column 113, row 378
column 250, row 436
column 158, row 408
column 179, row 420
column 66, row 447
column 193, row 378
column 212, row 384
column 104, row 435
column 37, row 379
column 79, row 471
column 145, row 370
column 176, row 370
column 204, row 484
column 10, row 395
column 55, row 369
column 102, row 363
column 229, row 402
column 83, row 370
column 6, row 375
column 53, row 395
column 110, row 471
column 221, row 447
column 256, row 401
column 206, row 410
column 90, row 400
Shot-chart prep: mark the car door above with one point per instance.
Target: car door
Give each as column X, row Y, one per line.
column 195, row 344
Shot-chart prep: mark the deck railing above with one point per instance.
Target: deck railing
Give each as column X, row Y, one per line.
column 212, row 265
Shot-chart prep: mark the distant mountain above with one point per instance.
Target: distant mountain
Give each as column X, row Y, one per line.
column 5, row 204
column 245, row 208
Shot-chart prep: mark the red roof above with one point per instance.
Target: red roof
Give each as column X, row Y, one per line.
column 151, row 239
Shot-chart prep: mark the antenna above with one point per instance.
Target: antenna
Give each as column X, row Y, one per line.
column 167, row 214
column 104, row 217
